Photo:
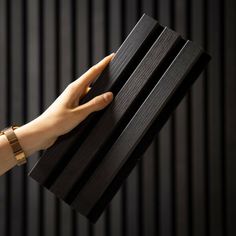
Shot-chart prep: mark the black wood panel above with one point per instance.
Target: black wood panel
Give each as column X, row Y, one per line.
column 69, row 180
column 122, row 109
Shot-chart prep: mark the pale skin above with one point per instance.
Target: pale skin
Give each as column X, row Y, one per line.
column 60, row 117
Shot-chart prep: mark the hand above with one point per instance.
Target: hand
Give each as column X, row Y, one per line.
column 65, row 113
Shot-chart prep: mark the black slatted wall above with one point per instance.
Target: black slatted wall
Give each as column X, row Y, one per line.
column 185, row 184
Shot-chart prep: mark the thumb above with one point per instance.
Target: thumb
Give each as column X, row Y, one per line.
column 95, row 104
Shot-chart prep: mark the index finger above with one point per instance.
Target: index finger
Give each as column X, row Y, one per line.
column 90, row 75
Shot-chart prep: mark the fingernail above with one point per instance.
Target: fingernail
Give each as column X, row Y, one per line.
column 112, row 54
column 108, row 96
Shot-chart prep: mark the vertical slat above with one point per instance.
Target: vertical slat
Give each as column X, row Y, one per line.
column 98, row 52
column 156, row 159
column 3, row 104
column 24, row 218
column 90, row 51
column 165, row 181
column 8, row 221
column 81, row 65
column 74, row 74
column 222, row 48
column 230, row 116
column 98, row 22
column 132, row 214
column 198, row 155
column 114, row 36
column 165, row 207
column 146, row 190
column 41, row 103
column 82, row 36
column 140, row 206
column 206, row 118
column 115, row 25
column 106, row 16
column 214, row 122
column 49, row 96
column 66, row 77
column 65, row 44
column 32, row 104
column 58, row 77
column 173, row 145
column 180, row 154
column 124, row 187
column 16, row 111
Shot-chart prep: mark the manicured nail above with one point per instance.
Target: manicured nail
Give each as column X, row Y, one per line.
column 111, row 55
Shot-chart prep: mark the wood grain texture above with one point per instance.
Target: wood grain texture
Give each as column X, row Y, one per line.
column 128, row 55
column 119, row 154
column 112, row 122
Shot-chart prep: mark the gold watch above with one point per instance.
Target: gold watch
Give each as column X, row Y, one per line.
column 14, row 143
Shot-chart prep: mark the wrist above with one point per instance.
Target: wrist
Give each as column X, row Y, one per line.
column 33, row 136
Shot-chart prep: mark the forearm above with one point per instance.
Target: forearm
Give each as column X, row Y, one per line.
column 32, row 138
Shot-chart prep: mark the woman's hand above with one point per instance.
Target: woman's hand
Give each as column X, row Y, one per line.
column 65, row 112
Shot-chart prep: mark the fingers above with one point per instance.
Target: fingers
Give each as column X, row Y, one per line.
column 95, row 104
column 88, row 77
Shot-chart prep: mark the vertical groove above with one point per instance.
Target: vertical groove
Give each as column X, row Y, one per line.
column 41, row 105
column 73, row 77
column 8, row 216
column 57, row 87
column 222, row 112
column 172, row 137
column 106, row 50
column 206, row 115
column 25, row 111
column 189, row 127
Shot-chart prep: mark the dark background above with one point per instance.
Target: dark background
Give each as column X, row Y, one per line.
column 185, row 184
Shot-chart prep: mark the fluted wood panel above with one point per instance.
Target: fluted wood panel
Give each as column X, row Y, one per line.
column 185, row 184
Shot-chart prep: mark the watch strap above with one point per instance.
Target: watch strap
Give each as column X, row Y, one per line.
column 15, row 145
